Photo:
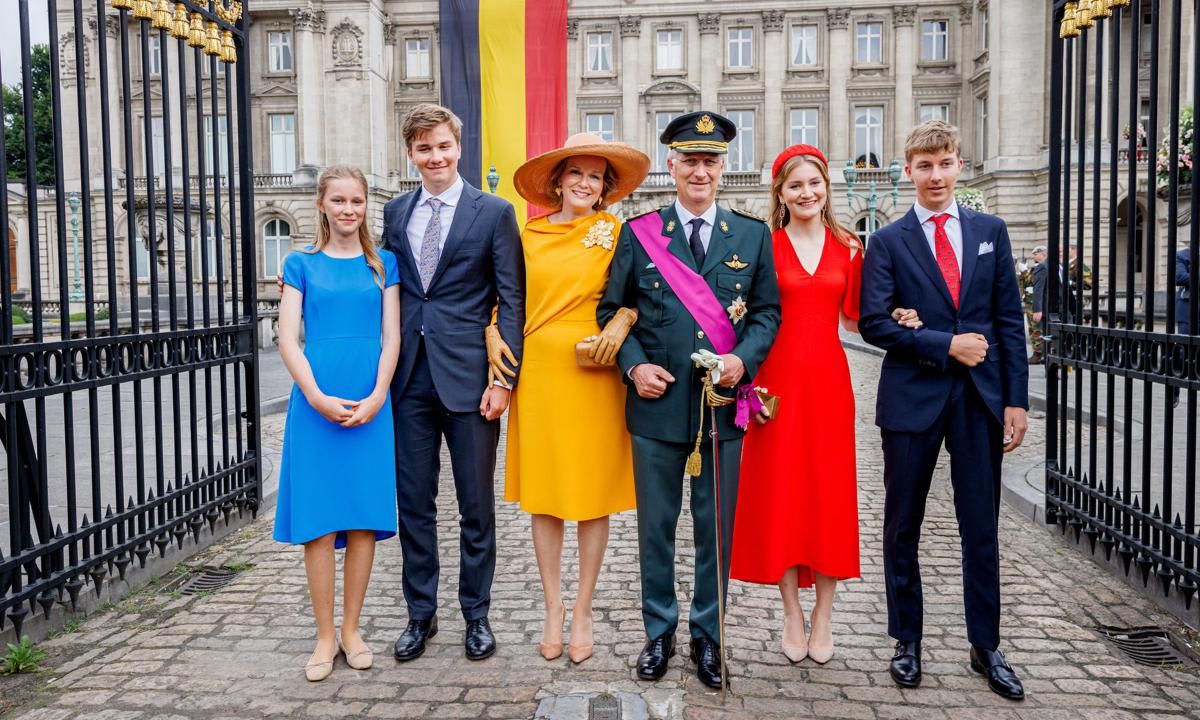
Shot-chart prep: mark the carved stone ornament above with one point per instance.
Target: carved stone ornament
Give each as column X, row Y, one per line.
column 66, row 55
column 572, row 28
column 112, row 25
column 390, row 32
column 838, row 18
column 965, row 9
column 772, row 20
column 631, row 25
column 710, row 23
column 347, row 44
column 306, row 18
column 905, row 14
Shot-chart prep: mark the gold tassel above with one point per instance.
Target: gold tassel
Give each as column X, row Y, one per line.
column 1083, row 15
column 1119, row 3
column 180, row 25
column 213, row 44
column 228, row 49
column 1068, row 29
column 122, row 4
column 196, row 33
column 1102, row 8
column 142, row 9
column 162, row 16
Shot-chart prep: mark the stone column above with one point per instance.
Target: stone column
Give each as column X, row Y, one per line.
column 840, row 58
column 712, row 59
column 309, row 60
column 773, row 62
column 112, row 27
column 573, row 75
column 1019, row 82
column 631, row 30
column 905, row 114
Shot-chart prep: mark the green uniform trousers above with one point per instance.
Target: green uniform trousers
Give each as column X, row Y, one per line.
column 658, row 476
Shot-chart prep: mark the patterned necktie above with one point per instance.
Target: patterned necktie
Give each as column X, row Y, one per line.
column 431, row 243
column 946, row 259
column 695, row 243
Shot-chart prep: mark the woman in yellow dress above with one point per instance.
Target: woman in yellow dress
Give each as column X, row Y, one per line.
column 569, row 454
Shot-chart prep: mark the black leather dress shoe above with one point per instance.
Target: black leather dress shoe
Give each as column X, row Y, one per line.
column 411, row 643
column 1000, row 676
column 707, row 656
column 905, row 667
column 652, row 663
column 479, row 642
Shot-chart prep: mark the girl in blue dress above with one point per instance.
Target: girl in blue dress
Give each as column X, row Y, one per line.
column 337, row 481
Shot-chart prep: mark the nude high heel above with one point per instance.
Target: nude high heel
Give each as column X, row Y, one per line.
column 579, row 652
column 553, row 651
column 794, row 653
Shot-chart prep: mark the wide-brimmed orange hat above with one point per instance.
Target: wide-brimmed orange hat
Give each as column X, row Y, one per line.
column 629, row 164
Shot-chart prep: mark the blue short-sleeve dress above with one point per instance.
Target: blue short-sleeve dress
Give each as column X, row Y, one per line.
column 333, row 478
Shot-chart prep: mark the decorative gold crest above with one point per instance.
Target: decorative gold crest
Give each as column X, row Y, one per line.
column 724, row 226
column 670, row 226
column 705, row 125
column 600, row 234
column 737, row 310
column 737, row 264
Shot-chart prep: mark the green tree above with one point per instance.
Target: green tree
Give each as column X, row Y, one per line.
column 43, row 123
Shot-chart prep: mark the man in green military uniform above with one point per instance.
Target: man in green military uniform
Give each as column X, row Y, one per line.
column 701, row 278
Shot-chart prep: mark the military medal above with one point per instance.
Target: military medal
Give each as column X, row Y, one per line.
column 724, row 226
column 737, row 310
column 736, row 264
column 670, row 226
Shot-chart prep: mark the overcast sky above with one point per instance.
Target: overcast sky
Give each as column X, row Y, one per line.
column 10, row 36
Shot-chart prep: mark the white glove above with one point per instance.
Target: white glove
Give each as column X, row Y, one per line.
column 710, row 361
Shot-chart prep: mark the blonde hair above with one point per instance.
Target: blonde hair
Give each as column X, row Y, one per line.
column 781, row 216
column 932, row 136
column 425, row 117
column 340, row 172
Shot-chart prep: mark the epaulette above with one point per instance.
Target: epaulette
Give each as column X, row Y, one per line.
column 750, row 215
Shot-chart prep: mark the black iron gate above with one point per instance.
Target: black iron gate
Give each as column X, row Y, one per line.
column 1123, row 366
column 128, row 361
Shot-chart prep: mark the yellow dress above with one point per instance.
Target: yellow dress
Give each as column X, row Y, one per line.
column 569, row 454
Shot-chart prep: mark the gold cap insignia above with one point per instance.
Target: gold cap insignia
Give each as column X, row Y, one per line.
column 705, row 125
column 737, row 264
column 670, row 226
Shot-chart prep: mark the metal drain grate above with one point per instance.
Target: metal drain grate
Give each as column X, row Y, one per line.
column 604, row 707
column 1147, row 645
column 202, row 580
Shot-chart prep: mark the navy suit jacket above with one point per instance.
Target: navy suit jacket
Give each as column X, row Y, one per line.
column 899, row 270
column 481, row 268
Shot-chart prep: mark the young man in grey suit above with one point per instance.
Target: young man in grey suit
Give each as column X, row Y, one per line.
column 459, row 255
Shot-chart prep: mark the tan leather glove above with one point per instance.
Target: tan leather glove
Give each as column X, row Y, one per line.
column 608, row 342
column 497, row 352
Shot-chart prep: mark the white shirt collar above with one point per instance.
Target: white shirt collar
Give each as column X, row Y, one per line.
column 709, row 216
column 924, row 214
column 449, row 196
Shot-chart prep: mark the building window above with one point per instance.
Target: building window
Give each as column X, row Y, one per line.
column 600, row 124
column 158, row 146
column 222, row 146
column 205, row 263
column 279, row 51
column 868, row 42
column 868, row 136
column 804, row 44
column 741, row 149
column 154, row 59
column 981, row 153
column 804, row 126
column 862, row 229
column 939, row 111
column 599, row 52
column 934, row 40
column 661, row 120
column 416, row 59
column 283, row 143
column 277, row 243
column 741, row 47
column 410, row 170
column 984, row 43
column 141, row 258
column 669, row 50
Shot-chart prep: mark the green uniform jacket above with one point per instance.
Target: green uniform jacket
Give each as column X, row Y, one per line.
column 667, row 335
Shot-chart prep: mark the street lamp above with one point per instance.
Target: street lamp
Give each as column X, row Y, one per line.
column 76, row 290
column 872, row 196
column 493, row 179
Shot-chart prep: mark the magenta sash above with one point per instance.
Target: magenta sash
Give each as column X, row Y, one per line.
column 688, row 285
column 695, row 294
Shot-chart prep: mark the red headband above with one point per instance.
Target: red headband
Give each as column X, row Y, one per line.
column 792, row 152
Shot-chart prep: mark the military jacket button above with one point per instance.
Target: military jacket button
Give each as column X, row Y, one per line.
column 700, row 334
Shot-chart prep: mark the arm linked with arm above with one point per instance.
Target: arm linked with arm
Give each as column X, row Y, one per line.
column 619, row 293
column 765, row 311
column 927, row 347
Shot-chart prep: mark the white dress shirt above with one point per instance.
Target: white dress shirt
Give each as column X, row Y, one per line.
column 423, row 213
column 709, row 217
column 953, row 230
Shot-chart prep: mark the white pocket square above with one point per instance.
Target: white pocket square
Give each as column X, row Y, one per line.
column 650, row 266
column 985, row 248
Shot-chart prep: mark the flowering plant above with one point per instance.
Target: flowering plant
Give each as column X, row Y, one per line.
column 1141, row 133
column 970, row 198
column 1162, row 160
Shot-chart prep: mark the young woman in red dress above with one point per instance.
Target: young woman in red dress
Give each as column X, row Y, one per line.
column 797, row 511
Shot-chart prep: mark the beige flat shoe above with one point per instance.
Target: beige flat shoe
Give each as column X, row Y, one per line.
column 359, row 660
column 318, row 671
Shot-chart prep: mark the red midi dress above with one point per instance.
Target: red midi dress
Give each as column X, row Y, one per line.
column 798, row 497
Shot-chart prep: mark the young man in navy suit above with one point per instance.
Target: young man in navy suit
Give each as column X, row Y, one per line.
column 960, row 380
column 459, row 254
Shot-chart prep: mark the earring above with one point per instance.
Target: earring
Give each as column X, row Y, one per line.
column 558, row 191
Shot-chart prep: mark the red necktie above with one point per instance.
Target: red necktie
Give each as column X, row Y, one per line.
column 946, row 259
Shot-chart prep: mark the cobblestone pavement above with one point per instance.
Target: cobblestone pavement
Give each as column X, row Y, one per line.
column 238, row 652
